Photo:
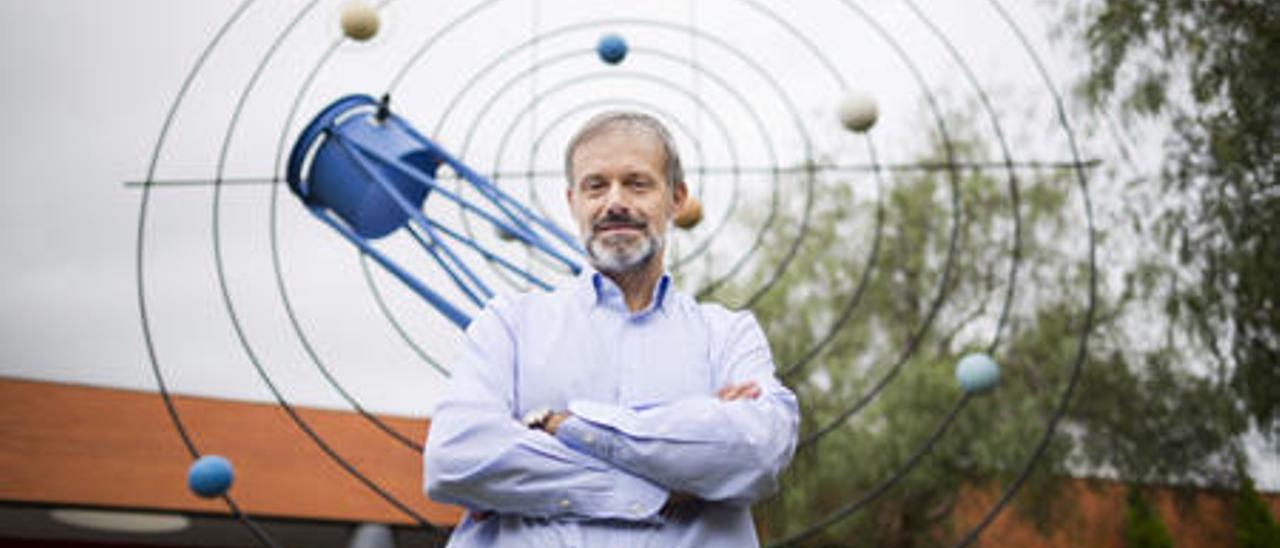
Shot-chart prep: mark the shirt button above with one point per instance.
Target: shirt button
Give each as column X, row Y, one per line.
column 589, row 439
column 564, row 503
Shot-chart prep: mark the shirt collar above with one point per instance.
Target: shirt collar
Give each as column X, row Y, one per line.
column 596, row 289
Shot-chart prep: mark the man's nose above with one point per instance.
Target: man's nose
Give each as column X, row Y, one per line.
column 616, row 199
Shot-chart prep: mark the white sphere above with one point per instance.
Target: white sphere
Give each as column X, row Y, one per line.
column 977, row 373
column 858, row 112
column 359, row 20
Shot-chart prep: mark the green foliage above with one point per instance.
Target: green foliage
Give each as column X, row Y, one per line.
column 1155, row 423
column 1039, row 340
column 1143, row 527
column 1210, row 70
column 1255, row 528
column 992, row 435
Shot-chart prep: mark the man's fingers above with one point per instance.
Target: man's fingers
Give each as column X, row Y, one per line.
column 729, row 393
column 732, row 392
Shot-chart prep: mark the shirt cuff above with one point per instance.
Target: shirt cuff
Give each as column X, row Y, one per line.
column 586, row 437
column 632, row 497
column 636, row 499
column 628, row 498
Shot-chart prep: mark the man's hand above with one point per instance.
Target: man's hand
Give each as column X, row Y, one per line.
column 681, row 507
column 748, row 390
column 545, row 419
column 553, row 422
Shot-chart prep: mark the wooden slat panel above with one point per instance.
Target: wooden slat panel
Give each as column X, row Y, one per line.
column 65, row 444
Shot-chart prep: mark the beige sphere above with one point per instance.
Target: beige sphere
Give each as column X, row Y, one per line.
column 359, row 20
column 689, row 214
column 858, row 112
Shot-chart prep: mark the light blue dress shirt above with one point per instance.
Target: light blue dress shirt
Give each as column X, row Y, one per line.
column 645, row 422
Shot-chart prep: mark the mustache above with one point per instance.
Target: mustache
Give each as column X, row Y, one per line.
column 619, row 219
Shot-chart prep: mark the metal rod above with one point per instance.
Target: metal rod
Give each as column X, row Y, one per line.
column 1034, row 165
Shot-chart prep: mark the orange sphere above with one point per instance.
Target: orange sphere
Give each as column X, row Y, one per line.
column 689, row 214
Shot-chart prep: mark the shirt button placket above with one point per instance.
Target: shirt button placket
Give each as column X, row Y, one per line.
column 617, row 358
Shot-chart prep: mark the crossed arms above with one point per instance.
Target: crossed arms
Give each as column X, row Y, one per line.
column 601, row 460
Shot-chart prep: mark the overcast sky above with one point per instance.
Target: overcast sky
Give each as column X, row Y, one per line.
column 87, row 87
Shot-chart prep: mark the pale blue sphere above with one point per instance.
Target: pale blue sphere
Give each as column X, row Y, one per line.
column 977, row 373
column 210, row 476
column 612, row 49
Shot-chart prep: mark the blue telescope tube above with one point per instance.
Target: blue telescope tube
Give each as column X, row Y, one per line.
column 366, row 173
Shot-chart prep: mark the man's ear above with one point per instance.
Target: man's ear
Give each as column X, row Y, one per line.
column 681, row 194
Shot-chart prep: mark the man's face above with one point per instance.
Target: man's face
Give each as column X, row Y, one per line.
column 621, row 198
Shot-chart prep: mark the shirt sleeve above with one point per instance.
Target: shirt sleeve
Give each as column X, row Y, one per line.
column 719, row 451
column 480, row 456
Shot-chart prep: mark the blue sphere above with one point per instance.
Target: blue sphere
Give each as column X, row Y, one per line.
column 210, row 476
column 977, row 373
column 612, row 49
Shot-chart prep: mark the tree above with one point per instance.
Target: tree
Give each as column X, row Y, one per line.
column 996, row 432
column 1255, row 528
column 1210, row 70
column 1142, row 525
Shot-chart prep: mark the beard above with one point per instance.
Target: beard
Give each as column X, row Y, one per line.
column 625, row 252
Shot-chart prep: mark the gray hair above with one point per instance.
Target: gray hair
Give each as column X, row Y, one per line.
column 623, row 119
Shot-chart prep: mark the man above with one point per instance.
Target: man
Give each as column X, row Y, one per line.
column 615, row 411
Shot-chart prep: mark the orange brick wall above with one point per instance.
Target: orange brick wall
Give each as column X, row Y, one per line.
column 1195, row 519
column 63, row 444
